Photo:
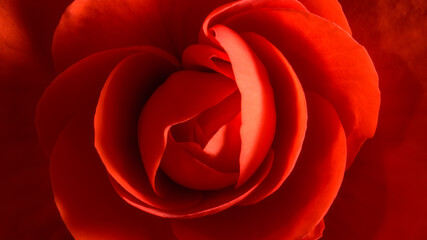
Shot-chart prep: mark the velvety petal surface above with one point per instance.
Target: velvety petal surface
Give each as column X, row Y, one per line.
column 91, row 26
column 258, row 114
column 291, row 112
column 124, row 94
column 340, row 68
column 296, row 208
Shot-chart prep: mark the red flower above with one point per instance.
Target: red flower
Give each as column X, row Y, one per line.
column 210, row 120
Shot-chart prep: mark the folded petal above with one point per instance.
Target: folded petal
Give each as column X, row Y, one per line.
column 88, row 204
column 92, row 26
column 258, row 114
column 74, row 90
column 183, row 96
column 328, row 9
column 123, row 95
column 383, row 194
column 212, row 202
column 340, row 69
column 291, row 113
column 296, row 208
column 27, row 207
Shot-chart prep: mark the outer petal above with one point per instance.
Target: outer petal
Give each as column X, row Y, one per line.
column 298, row 206
column 74, row 89
column 340, row 69
column 123, row 95
column 328, row 9
column 291, row 112
column 88, row 204
column 91, row 26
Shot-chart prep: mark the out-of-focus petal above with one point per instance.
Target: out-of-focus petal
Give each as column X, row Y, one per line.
column 340, row 68
column 383, row 194
column 27, row 207
column 328, row 9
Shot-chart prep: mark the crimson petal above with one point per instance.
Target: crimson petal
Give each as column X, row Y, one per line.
column 92, row 26
column 116, row 122
column 328, row 9
column 296, row 208
column 340, row 68
column 75, row 89
column 257, row 102
column 88, row 204
column 291, row 112
column 184, row 95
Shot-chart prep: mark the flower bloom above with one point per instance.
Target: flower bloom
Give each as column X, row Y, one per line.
column 219, row 120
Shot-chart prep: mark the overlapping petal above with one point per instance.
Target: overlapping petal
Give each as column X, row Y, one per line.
column 91, row 26
column 88, row 27
column 340, row 69
column 299, row 205
column 84, row 195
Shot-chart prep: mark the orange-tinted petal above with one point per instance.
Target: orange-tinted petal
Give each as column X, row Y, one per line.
column 258, row 113
column 291, row 113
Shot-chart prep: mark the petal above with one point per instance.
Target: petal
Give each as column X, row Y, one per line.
column 257, row 102
column 124, row 94
column 383, row 194
column 291, row 112
column 91, row 26
column 184, row 95
column 340, row 69
column 225, row 11
column 201, row 57
column 74, row 90
column 328, row 9
column 88, row 204
column 212, row 202
column 214, row 135
column 186, row 169
column 296, row 208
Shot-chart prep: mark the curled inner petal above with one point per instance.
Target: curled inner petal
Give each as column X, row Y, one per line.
column 257, row 111
column 183, row 96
